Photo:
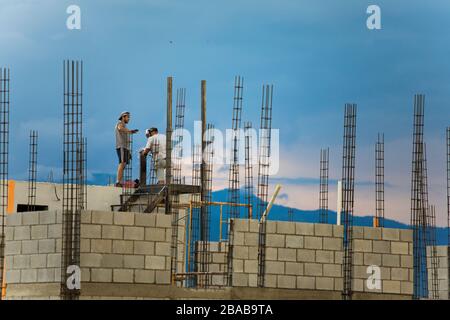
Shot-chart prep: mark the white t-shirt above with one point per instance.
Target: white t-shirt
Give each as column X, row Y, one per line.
column 157, row 146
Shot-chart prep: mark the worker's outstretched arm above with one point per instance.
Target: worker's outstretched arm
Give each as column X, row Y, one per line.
column 122, row 128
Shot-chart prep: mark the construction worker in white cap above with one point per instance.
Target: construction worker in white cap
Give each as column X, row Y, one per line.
column 123, row 145
column 157, row 146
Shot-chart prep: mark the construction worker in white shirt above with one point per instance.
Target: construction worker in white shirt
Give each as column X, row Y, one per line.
column 157, row 146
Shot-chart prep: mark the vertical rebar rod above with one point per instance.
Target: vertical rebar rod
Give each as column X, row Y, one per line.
column 263, row 177
column 290, row 214
column 4, row 157
column 419, row 204
column 72, row 172
column 379, row 180
column 32, row 162
column 348, row 185
column 323, row 193
column 248, row 168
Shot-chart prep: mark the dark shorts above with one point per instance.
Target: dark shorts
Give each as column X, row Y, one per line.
column 124, row 155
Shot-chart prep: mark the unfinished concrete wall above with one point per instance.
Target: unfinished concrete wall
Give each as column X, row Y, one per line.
column 33, row 247
column 50, row 194
column 442, row 255
column 309, row 256
column 115, row 248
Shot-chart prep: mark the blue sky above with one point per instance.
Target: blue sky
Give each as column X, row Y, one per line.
column 317, row 53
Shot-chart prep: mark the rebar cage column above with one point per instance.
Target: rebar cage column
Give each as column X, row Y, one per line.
column 32, row 162
column 323, row 193
column 379, row 181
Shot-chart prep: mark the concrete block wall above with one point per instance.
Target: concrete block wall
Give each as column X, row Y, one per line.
column 217, row 254
column 389, row 249
column 442, row 255
column 125, row 247
column 309, row 256
column 33, row 247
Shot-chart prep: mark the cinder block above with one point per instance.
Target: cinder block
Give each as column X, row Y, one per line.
column 253, row 226
column 313, row 269
column 219, row 258
column 46, row 275
column 54, row 260
column 323, row 230
column 252, row 280
column 391, row 260
column 85, row 275
column 338, row 231
column 324, row 283
column 91, row 231
column 362, row 245
column 305, row 255
column 28, row 276
column 372, row 259
column 144, row 247
column 39, row 232
column 360, row 272
column 155, row 234
column 285, row 227
column 406, row 288
column 85, row 245
column 253, row 253
column 238, row 265
column 294, row 241
column 250, row 266
column 271, row 254
column 13, row 247
column 101, row 246
column 9, row 233
column 270, row 280
column 358, row 258
column 12, row 276
column 313, row 242
column 47, row 217
column 14, row 219
column 238, row 238
column 91, row 259
column 294, row 268
column 271, row 227
column 112, row 232
column 358, row 285
column 240, row 225
column 381, row 246
column 124, row 218
column 390, row 234
column 240, row 252
column 285, row 254
column 274, row 267
column 399, row 274
column 250, row 239
column 112, row 261
column 332, row 270
column 390, row 286
column 38, row 261
column 163, row 220
column 144, row 276
column 287, row 282
column 332, row 244
column 275, row 240
column 240, row 280
column 21, row 262
column 102, row 217
column 30, row 218
column 406, row 235
column 399, row 247
column 162, row 249
column 54, row 231
column 145, row 220
column 155, row 262
column 86, row 217
column 339, row 257
column 101, row 275
column 338, row 284
column 304, row 282
column 306, row 229
column 372, row 233
column 358, row 232
column 133, row 233
column 324, row 256
column 123, row 275
column 29, row 246
column 47, row 245
column 22, row 233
